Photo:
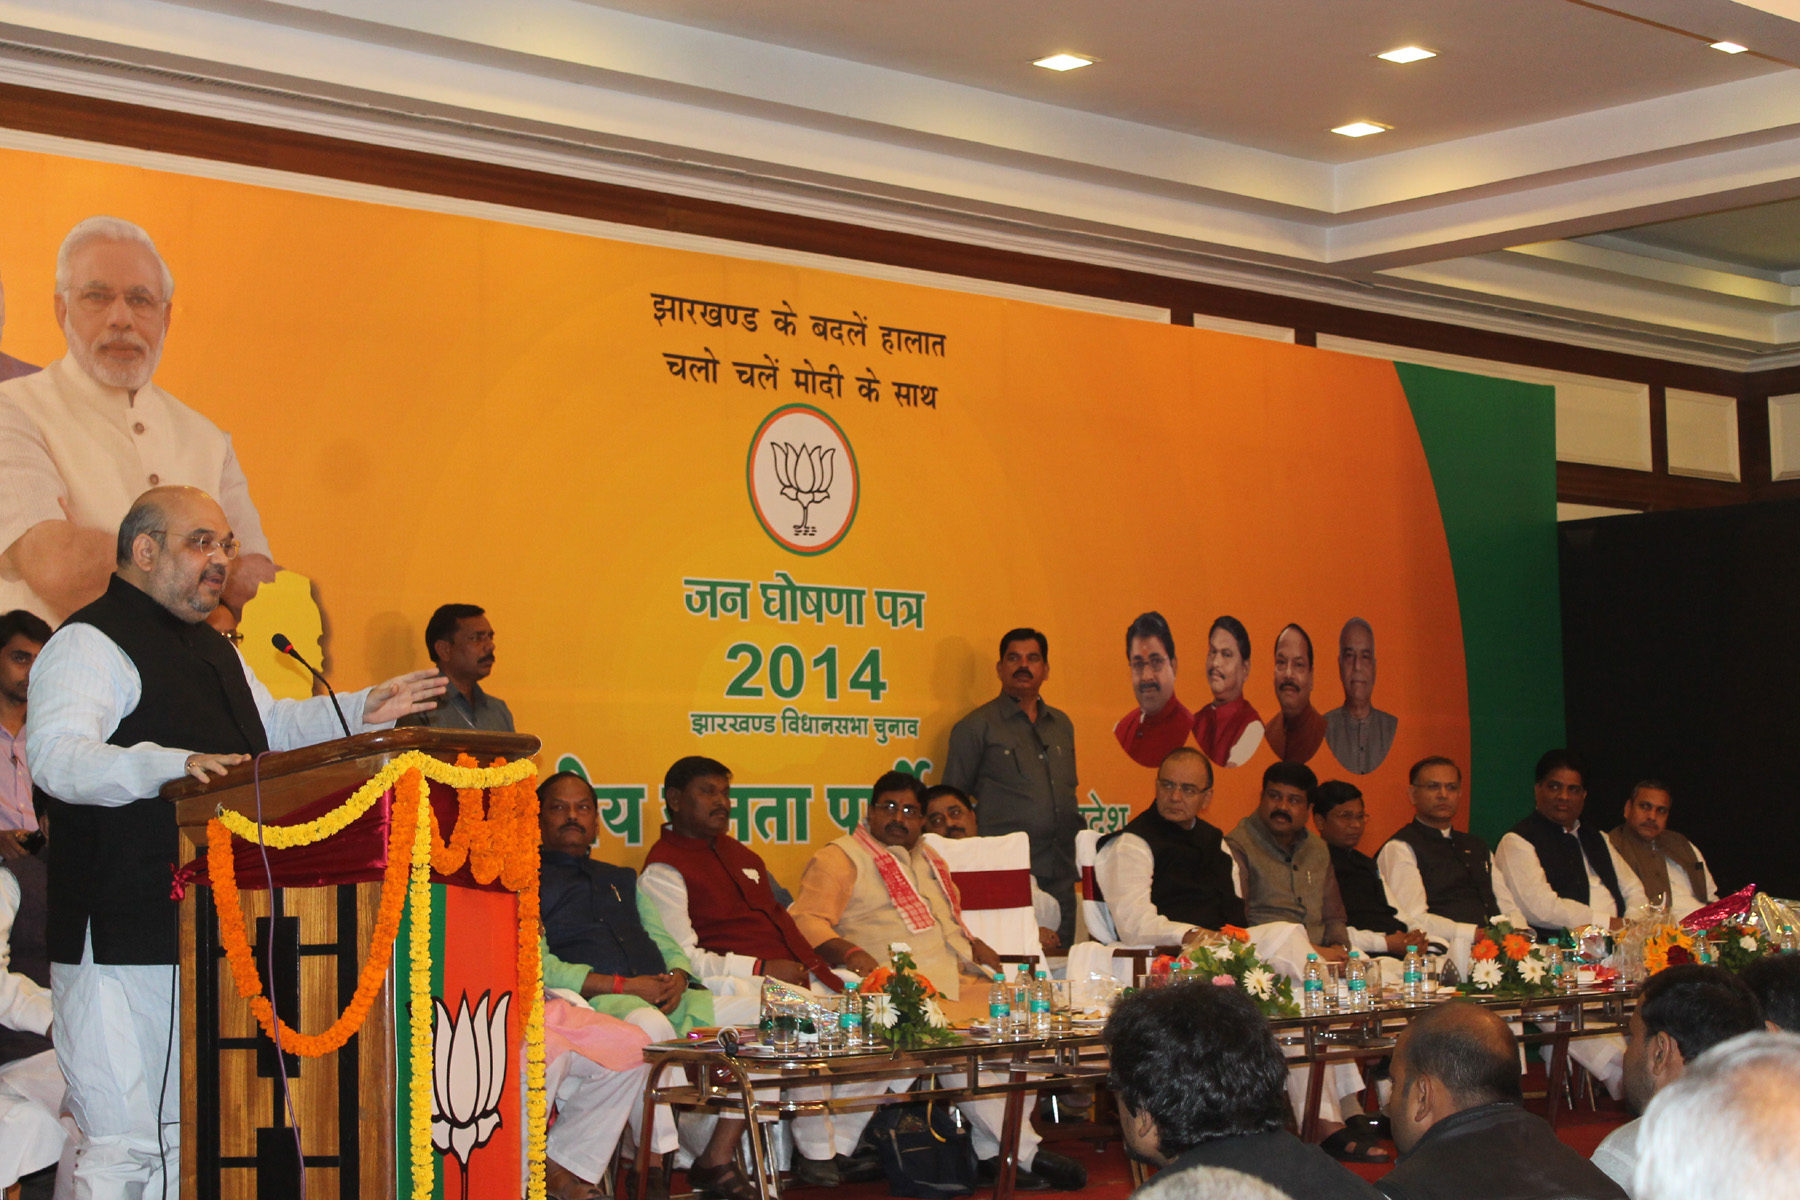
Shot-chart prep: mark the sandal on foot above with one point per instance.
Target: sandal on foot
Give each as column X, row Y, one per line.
column 560, row 1183
column 723, row 1182
column 1349, row 1147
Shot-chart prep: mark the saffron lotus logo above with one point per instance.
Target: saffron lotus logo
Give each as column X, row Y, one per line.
column 469, row 1056
column 803, row 479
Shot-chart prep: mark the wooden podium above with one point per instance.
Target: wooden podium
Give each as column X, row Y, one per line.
column 237, row 1142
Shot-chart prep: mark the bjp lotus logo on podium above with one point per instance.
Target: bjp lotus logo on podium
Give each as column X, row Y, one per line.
column 469, row 1056
column 803, row 479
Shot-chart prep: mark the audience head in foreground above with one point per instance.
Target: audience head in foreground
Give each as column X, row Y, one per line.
column 1202, row 1084
column 1456, row 1114
column 1727, row 1126
column 1682, row 1013
column 1775, row 978
column 1208, row 1183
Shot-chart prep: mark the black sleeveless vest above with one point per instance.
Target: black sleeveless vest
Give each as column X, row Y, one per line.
column 1560, row 854
column 111, row 868
column 30, row 955
column 590, row 916
column 1457, row 871
column 1192, row 883
column 1365, row 899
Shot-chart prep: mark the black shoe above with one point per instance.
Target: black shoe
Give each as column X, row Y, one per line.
column 862, row 1167
column 814, row 1172
column 1058, row 1172
column 987, row 1174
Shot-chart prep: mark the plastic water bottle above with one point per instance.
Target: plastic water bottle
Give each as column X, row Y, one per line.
column 1313, row 1001
column 1356, row 981
column 1000, row 1005
column 1021, row 1000
column 1040, row 1002
column 1412, row 977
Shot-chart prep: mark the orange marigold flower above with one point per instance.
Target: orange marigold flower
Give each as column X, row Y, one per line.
column 1236, row 934
column 877, row 979
column 1517, row 946
column 1485, row 950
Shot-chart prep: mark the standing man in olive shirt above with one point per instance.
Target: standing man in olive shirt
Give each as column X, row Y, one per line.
column 1016, row 755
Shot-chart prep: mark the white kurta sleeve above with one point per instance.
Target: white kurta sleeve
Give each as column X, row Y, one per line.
column 1124, row 868
column 82, row 686
column 1399, row 868
column 1045, row 909
column 1538, row 902
column 23, row 1003
column 668, row 892
column 1630, row 886
column 292, row 724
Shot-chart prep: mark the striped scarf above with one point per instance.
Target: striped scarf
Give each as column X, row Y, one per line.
column 913, row 909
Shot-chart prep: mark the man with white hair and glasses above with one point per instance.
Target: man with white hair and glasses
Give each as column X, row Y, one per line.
column 81, row 439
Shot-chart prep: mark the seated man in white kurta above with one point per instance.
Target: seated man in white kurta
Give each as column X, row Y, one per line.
column 1564, row 875
column 81, row 439
column 875, row 887
column 1668, row 866
column 1199, row 887
column 31, row 1085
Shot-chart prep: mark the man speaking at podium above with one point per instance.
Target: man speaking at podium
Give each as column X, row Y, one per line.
column 134, row 690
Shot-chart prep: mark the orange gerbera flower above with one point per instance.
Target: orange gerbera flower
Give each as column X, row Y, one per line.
column 875, row 980
column 1236, row 934
column 1485, row 950
column 1517, row 946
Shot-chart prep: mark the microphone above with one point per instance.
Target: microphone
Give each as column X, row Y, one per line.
column 280, row 642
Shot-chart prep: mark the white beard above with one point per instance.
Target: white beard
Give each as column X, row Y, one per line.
column 130, row 378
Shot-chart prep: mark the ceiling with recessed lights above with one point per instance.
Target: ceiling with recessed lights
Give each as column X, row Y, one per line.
column 1587, row 171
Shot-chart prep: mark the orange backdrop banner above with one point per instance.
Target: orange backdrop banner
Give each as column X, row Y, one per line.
column 775, row 515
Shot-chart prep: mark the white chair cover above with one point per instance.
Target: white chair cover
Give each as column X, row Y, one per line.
column 993, row 876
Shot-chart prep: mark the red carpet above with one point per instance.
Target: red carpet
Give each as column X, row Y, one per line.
column 1109, row 1176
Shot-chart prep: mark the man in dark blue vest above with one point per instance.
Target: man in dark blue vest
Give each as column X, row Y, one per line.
column 1442, row 879
column 604, row 939
column 135, row 690
column 1561, row 873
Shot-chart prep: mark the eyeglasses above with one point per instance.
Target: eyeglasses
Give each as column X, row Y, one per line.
column 141, row 301
column 1155, row 663
column 1573, row 791
column 889, row 807
column 1187, row 791
column 205, row 543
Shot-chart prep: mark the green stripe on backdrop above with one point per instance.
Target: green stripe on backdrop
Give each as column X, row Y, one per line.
column 403, row 1039
column 1491, row 445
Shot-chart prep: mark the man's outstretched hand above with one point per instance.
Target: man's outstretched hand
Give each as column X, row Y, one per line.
column 403, row 695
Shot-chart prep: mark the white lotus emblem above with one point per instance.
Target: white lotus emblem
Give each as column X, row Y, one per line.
column 804, row 473
column 469, row 1053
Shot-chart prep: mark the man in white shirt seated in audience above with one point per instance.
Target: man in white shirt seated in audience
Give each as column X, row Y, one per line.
column 1726, row 1127
column 1683, row 1012
column 1667, row 865
column 1564, row 875
column 950, row 812
column 1442, row 879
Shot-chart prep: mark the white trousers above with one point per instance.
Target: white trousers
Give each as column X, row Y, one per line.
column 31, row 1138
column 120, row 1052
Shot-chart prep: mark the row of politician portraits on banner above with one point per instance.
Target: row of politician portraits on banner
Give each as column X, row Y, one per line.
column 1230, row 728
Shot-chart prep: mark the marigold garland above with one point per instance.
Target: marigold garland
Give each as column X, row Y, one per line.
column 500, row 843
column 222, row 868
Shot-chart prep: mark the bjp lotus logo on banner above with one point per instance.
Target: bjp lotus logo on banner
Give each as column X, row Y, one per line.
column 803, row 479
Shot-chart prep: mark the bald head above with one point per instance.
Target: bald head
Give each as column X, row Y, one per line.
column 1454, row 1057
column 173, row 546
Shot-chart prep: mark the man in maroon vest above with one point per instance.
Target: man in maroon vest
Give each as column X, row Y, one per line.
column 713, row 895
